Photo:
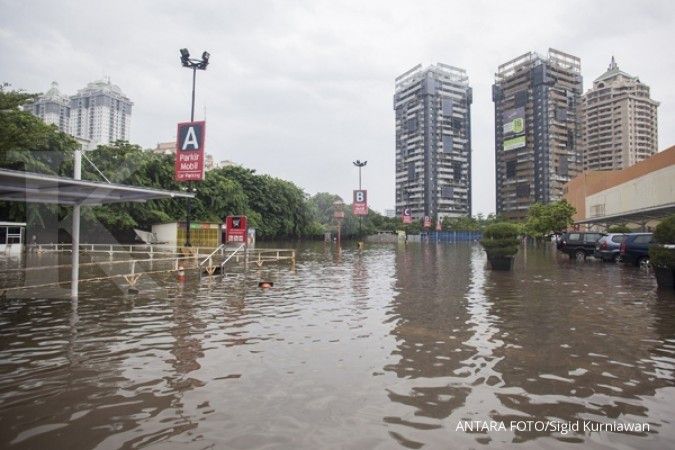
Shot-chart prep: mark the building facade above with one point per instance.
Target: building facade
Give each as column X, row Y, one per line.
column 634, row 195
column 619, row 121
column 53, row 108
column 433, row 142
column 100, row 113
column 537, row 103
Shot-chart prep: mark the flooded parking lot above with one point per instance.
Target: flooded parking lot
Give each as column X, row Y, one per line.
column 395, row 346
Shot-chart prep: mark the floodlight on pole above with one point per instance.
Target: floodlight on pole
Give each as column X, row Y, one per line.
column 194, row 64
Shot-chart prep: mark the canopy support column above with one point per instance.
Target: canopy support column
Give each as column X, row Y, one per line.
column 75, row 232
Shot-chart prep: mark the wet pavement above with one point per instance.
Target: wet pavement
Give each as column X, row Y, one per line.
column 416, row 346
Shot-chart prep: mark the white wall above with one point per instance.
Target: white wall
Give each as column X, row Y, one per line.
column 653, row 189
column 166, row 232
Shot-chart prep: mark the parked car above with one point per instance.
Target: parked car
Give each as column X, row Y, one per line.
column 635, row 249
column 608, row 248
column 578, row 245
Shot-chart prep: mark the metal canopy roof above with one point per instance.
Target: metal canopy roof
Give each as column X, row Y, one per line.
column 32, row 187
column 634, row 216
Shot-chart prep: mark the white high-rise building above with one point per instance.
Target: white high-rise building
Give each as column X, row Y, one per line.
column 53, row 108
column 620, row 125
column 100, row 113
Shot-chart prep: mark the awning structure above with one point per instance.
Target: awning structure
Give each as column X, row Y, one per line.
column 638, row 216
column 18, row 186
column 30, row 187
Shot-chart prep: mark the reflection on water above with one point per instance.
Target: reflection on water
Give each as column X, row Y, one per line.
column 389, row 347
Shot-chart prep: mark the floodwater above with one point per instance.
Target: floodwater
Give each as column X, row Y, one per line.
column 393, row 347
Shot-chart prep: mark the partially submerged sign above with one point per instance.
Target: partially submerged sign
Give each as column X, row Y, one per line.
column 236, row 229
column 190, row 151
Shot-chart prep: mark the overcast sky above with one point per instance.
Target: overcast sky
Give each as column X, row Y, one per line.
column 300, row 89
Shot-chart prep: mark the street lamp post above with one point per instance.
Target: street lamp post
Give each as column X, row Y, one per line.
column 360, row 164
column 194, row 64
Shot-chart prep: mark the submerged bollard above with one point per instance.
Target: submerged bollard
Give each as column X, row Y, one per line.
column 265, row 284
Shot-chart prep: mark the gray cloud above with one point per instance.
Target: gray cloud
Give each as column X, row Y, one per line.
column 300, row 89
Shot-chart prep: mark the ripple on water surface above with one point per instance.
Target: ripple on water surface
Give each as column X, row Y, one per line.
column 392, row 346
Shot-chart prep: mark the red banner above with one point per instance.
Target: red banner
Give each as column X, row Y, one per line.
column 406, row 216
column 360, row 203
column 190, row 151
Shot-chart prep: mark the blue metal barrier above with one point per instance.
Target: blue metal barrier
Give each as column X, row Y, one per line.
column 451, row 236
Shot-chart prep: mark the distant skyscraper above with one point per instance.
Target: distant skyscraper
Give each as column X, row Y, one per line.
column 619, row 126
column 100, row 113
column 433, row 142
column 537, row 129
column 53, row 108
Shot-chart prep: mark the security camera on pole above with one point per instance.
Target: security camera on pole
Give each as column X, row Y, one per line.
column 190, row 138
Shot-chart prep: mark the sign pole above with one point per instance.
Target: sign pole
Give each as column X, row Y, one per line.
column 360, row 165
column 188, row 205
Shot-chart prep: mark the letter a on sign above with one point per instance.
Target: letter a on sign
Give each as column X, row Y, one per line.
column 190, row 151
column 190, row 142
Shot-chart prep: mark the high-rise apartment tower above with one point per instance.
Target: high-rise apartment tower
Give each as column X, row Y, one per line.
column 619, row 121
column 433, row 142
column 100, row 113
column 52, row 107
column 537, row 129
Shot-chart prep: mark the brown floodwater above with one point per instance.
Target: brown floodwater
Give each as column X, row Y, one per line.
column 396, row 346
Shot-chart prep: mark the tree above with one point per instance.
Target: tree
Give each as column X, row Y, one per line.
column 545, row 219
column 27, row 143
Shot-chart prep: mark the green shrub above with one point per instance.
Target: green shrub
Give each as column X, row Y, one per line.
column 659, row 255
column 619, row 229
column 665, row 231
column 501, row 239
column 501, row 230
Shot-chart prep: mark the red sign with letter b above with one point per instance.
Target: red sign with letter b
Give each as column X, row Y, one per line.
column 360, row 203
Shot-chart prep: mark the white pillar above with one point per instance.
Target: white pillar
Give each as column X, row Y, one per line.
column 75, row 232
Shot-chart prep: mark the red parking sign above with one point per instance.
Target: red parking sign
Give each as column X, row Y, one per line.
column 360, row 203
column 190, row 151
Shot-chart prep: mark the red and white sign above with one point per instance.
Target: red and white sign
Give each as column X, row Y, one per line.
column 190, row 151
column 236, row 229
column 360, row 203
column 406, row 216
column 427, row 222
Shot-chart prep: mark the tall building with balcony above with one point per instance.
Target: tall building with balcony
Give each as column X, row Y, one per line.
column 619, row 121
column 52, row 107
column 537, row 129
column 433, row 141
column 100, row 113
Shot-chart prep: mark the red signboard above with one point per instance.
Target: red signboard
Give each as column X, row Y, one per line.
column 406, row 216
column 236, row 229
column 427, row 222
column 190, row 151
column 360, row 203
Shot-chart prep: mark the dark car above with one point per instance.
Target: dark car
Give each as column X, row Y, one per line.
column 608, row 248
column 578, row 244
column 635, row 248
